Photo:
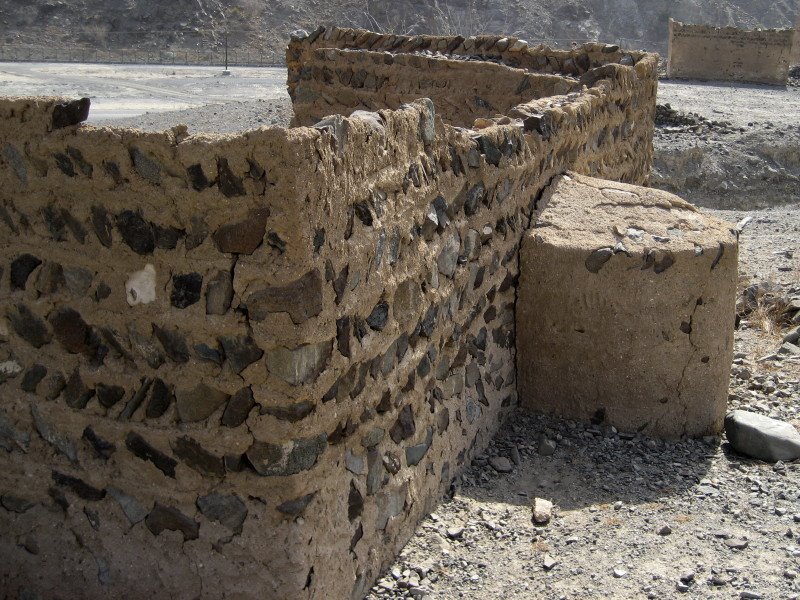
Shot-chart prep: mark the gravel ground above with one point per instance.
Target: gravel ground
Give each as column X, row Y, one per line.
column 742, row 151
column 229, row 117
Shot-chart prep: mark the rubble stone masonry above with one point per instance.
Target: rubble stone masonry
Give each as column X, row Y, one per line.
column 245, row 366
column 729, row 54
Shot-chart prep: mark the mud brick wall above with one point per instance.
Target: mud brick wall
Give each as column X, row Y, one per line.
column 247, row 365
column 596, row 100
column 729, row 54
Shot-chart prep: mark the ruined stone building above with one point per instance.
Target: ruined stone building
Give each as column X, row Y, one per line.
column 245, row 366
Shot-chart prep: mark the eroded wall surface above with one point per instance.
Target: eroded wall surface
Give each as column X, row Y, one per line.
column 245, row 366
column 625, row 302
column 729, row 54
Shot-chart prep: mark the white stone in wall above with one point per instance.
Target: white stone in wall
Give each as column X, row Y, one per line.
column 141, row 286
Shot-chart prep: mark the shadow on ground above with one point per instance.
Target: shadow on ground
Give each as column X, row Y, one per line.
column 591, row 465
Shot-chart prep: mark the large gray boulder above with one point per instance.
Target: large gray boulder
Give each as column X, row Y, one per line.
column 761, row 437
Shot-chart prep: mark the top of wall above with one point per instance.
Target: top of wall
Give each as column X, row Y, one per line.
column 340, row 70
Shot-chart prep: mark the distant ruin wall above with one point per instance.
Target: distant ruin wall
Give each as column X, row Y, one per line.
column 729, row 54
column 795, row 59
column 270, row 353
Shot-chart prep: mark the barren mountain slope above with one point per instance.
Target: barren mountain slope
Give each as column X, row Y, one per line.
column 264, row 25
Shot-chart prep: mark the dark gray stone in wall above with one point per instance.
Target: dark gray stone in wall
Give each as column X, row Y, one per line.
column 55, row 223
column 167, row 237
column 64, row 164
column 69, row 113
column 490, row 150
column 136, row 232
column 108, row 395
column 414, row 454
column 379, row 316
column 269, row 459
column 304, row 454
column 161, row 397
column 75, row 154
column 375, row 471
column 70, row 329
column 198, row 458
column 142, row 449
column 240, row 351
column 474, row 197
column 15, row 504
column 297, row 506
column 32, row 377
column 198, row 232
column 301, row 298
column 29, row 327
column 229, row 184
column 186, row 289
column 209, row 354
column 11, row 438
column 229, row 510
column 146, row 166
column 238, row 408
column 77, row 280
column 132, row 508
column 319, row 239
column 174, row 344
column 292, row 413
column 101, row 223
column 343, row 336
column 12, row 155
column 144, row 347
column 197, row 177
column 77, row 394
column 404, row 427
column 243, row 237
column 101, row 447
column 21, row 268
column 50, row 278
column 167, row 517
column 199, row 403
column 300, row 365
column 74, row 225
column 219, row 293
column 78, row 487
column 136, row 400
column 49, row 434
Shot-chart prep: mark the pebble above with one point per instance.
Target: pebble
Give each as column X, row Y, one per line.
column 548, row 562
column 542, row 511
column 501, row 464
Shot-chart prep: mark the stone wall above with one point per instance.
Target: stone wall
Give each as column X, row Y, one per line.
column 729, row 54
column 795, row 58
column 247, row 365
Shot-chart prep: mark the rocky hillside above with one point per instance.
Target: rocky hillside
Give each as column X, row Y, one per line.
column 263, row 25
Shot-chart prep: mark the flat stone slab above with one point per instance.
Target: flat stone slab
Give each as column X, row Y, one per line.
column 625, row 309
column 762, row 437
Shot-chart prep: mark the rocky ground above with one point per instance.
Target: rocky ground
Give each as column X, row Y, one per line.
column 729, row 146
column 635, row 517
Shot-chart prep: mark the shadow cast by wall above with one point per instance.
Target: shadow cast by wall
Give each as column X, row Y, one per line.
column 591, row 465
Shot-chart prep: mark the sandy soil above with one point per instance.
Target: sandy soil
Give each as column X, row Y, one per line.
column 123, row 91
